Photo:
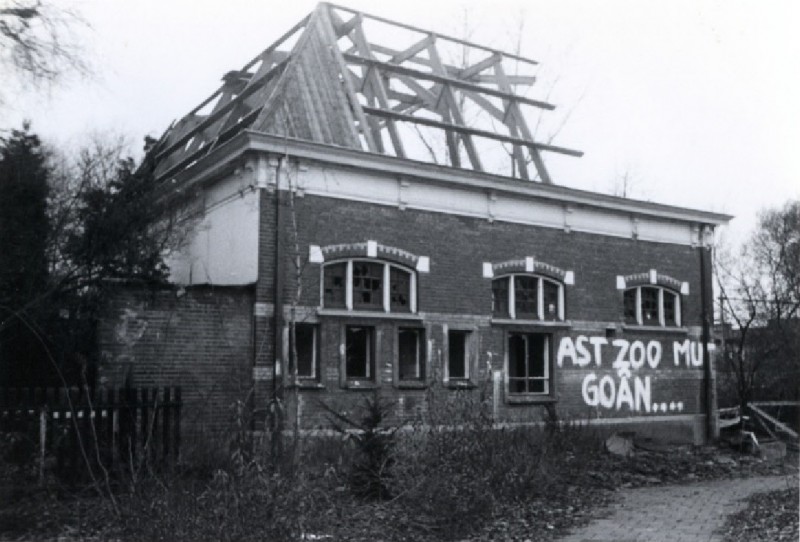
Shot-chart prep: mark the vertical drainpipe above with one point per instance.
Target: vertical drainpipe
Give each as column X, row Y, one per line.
column 277, row 373
column 706, row 313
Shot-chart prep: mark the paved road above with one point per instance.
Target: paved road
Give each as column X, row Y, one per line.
column 686, row 513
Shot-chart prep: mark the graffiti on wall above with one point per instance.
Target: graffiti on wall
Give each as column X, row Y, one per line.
column 632, row 387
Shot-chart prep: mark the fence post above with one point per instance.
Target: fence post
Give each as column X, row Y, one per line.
column 167, row 407
column 42, row 441
column 176, row 426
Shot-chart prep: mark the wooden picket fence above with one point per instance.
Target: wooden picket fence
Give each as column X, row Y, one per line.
column 79, row 428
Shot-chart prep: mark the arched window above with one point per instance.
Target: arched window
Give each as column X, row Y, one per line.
column 528, row 297
column 369, row 285
column 652, row 306
column 652, row 299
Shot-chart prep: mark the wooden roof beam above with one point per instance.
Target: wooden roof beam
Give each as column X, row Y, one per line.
column 355, row 105
column 439, row 36
column 394, row 68
column 378, row 88
column 455, row 111
column 475, row 69
column 472, row 131
column 518, row 120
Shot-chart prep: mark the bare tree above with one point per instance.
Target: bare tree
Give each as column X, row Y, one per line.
column 39, row 42
column 760, row 309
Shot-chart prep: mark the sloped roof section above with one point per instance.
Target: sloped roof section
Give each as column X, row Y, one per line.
column 347, row 79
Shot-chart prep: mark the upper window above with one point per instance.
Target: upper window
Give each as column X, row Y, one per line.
column 652, row 306
column 369, row 285
column 527, row 297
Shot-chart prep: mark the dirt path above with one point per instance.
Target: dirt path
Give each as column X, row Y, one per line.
column 685, row 513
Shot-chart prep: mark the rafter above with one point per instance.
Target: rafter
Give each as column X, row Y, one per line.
column 472, row 131
column 336, row 84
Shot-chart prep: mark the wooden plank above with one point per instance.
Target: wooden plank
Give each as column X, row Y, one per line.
column 326, row 25
column 519, row 122
column 438, row 36
column 379, row 88
column 475, row 69
column 471, row 131
column 445, row 79
column 455, row 111
column 207, row 121
column 412, row 51
column 777, row 423
column 176, row 425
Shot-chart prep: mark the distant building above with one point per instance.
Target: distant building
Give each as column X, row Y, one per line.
column 343, row 181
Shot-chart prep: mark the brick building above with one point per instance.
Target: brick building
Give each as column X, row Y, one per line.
column 319, row 200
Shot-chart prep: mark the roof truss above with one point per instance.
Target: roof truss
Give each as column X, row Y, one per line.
column 371, row 96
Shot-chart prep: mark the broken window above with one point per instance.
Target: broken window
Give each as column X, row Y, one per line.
column 527, row 297
column 304, row 355
column 359, row 353
column 649, row 302
column 630, row 303
column 368, row 285
column 411, row 354
column 335, row 277
column 500, row 297
column 400, row 289
column 528, row 363
column 652, row 306
column 457, row 355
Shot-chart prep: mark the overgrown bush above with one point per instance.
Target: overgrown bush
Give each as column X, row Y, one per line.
column 371, row 473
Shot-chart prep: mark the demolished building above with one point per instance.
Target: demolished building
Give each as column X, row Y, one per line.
column 367, row 215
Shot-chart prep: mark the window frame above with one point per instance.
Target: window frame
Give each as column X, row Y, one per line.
column 660, row 321
column 371, row 379
column 548, row 395
column 422, row 358
column 386, row 291
column 315, row 351
column 467, row 380
column 511, row 304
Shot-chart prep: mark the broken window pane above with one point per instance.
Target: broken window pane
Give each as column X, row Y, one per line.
column 526, row 297
column 670, row 309
column 367, row 285
column 650, row 306
column 335, row 285
column 629, row 301
column 551, row 300
column 500, row 297
column 400, row 290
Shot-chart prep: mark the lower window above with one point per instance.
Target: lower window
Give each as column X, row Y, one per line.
column 305, row 351
column 411, row 354
column 528, row 363
column 359, row 353
column 457, row 355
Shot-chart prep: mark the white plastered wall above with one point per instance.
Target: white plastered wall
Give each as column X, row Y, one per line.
column 221, row 247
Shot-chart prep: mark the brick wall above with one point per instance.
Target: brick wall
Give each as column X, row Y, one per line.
column 199, row 338
column 454, row 292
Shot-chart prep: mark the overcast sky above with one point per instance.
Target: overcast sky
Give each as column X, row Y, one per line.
column 695, row 101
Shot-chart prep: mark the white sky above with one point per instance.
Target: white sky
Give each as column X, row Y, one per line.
column 697, row 101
